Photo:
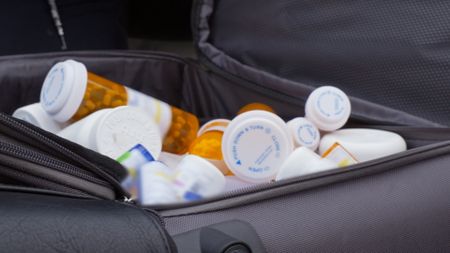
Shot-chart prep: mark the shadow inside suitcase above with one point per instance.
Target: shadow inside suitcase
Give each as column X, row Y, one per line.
column 177, row 81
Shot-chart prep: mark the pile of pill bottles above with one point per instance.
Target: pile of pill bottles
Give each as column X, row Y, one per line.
column 70, row 93
column 256, row 146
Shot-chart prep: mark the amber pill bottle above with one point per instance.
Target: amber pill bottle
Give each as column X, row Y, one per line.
column 70, row 92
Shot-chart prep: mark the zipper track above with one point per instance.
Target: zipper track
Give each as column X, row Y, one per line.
column 46, row 161
column 41, row 182
column 33, row 190
column 225, row 200
column 29, row 132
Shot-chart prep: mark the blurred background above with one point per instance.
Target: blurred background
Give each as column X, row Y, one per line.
column 33, row 26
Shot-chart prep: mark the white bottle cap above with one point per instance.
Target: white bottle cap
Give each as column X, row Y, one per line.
column 364, row 144
column 304, row 133
column 255, row 144
column 155, row 184
column 36, row 115
column 63, row 89
column 328, row 108
column 303, row 161
column 196, row 176
column 112, row 132
column 214, row 125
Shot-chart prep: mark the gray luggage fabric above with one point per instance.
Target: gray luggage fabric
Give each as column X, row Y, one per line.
column 389, row 56
column 391, row 53
column 397, row 81
column 394, row 204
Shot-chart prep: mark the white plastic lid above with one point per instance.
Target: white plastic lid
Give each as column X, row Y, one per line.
column 328, row 108
column 122, row 128
column 255, row 144
column 364, row 144
column 304, row 133
column 303, row 161
column 63, row 89
column 36, row 115
column 196, row 172
column 214, row 125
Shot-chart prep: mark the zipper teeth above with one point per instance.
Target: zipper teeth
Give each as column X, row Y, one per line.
column 62, row 149
column 51, row 163
column 42, row 182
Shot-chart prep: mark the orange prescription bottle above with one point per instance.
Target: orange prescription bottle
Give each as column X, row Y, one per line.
column 209, row 141
column 255, row 106
column 70, row 93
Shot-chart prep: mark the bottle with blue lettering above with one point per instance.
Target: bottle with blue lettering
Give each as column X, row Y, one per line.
column 255, row 144
column 328, row 108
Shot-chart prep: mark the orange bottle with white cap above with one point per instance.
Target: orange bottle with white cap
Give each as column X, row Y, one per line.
column 70, row 93
column 209, row 141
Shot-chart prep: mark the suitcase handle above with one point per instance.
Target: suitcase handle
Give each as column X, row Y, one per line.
column 232, row 236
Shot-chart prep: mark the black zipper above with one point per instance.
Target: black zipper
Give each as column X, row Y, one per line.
column 44, row 160
column 40, row 182
column 20, row 128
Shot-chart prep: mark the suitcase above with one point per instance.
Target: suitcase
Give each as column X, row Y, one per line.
column 390, row 62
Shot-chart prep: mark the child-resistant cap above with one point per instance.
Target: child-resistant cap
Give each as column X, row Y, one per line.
column 303, row 161
column 328, row 108
column 123, row 128
column 255, row 144
column 304, row 133
column 63, row 89
column 364, row 144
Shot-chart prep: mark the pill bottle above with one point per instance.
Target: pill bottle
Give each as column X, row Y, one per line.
column 112, row 132
column 155, row 185
column 70, row 93
column 255, row 106
column 196, row 178
column 255, row 144
column 133, row 160
column 35, row 114
column 304, row 133
column 364, row 144
column 208, row 144
column 328, row 108
column 303, row 161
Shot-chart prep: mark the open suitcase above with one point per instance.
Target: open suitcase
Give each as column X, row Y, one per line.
column 390, row 57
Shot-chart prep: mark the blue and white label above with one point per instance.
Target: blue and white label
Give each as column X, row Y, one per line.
column 307, row 135
column 257, row 150
column 53, row 87
column 331, row 104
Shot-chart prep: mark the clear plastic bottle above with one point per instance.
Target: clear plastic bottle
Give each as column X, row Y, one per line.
column 70, row 93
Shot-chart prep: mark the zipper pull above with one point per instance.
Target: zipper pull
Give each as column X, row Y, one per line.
column 58, row 23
